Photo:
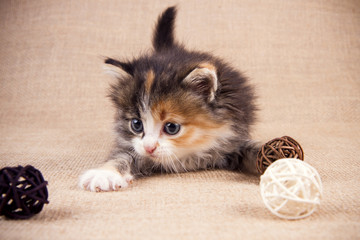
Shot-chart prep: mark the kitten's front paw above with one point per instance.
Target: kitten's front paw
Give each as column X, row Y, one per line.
column 97, row 180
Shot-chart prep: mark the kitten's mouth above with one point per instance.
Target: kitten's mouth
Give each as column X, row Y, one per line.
column 152, row 156
column 157, row 157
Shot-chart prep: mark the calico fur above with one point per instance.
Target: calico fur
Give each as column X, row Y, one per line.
column 210, row 104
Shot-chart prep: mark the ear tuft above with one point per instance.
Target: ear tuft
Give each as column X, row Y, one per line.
column 126, row 66
column 203, row 80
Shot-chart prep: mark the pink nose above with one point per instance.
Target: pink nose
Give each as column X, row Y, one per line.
column 150, row 149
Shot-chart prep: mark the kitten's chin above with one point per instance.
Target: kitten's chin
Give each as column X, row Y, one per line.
column 163, row 159
column 169, row 163
column 153, row 156
column 158, row 157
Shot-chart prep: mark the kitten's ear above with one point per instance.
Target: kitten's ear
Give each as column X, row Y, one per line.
column 126, row 66
column 203, row 80
column 164, row 31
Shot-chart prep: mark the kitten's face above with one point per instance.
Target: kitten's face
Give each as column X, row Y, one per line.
column 170, row 118
column 174, row 128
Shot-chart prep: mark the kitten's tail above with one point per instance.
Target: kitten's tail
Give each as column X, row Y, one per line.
column 164, row 31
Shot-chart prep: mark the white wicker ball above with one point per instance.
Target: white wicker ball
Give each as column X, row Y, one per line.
column 291, row 188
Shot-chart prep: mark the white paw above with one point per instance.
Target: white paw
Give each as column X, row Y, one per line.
column 97, row 180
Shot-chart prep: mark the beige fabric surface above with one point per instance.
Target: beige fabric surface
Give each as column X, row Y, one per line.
column 302, row 55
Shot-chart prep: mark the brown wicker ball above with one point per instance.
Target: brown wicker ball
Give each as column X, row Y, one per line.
column 284, row 147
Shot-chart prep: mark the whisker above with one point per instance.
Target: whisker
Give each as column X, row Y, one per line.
column 179, row 161
column 168, row 161
column 175, row 160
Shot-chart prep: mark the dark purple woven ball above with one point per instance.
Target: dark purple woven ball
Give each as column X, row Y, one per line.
column 23, row 192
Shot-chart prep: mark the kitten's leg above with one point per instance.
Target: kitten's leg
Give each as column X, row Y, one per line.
column 248, row 153
column 112, row 176
column 245, row 158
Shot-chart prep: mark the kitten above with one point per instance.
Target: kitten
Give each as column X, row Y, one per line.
column 176, row 111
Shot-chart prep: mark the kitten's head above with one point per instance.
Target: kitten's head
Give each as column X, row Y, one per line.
column 173, row 103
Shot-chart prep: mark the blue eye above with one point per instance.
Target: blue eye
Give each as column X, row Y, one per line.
column 137, row 125
column 171, row 128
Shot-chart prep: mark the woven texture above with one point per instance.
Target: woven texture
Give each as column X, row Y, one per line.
column 23, row 192
column 302, row 55
column 283, row 147
column 291, row 188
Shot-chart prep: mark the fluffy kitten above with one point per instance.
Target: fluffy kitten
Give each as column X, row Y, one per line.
column 176, row 111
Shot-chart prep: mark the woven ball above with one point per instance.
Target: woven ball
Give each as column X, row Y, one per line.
column 284, row 147
column 291, row 188
column 23, row 192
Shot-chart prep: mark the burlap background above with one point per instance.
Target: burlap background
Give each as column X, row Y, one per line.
column 303, row 56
